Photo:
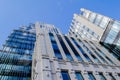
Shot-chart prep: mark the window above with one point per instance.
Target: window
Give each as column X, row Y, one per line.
column 55, row 46
column 113, row 33
column 91, row 77
column 73, row 49
column 92, row 17
column 112, row 77
column 79, row 76
column 119, row 75
column 98, row 19
column 104, row 22
column 101, row 76
column 68, row 55
column 82, row 51
column 65, row 75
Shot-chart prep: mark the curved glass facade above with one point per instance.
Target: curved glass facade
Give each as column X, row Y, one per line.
column 16, row 55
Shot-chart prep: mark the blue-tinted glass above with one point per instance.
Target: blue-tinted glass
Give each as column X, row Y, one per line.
column 65, row 75
column 79, row 76
column 16, row 58
column 102, row 76
column 91, row 77
column 68, row 55
column 113, row 32
column 58, row 55
column 73, row 49
column 81, row 50
column 55, row 46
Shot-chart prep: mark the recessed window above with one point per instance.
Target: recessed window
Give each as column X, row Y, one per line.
column 79, row 76
column 65, row 75
column 101, row 76
column 112, row 77
column 91, row 77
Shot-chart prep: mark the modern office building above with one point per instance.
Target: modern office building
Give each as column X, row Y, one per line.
column 93, row 26
column 65, row 57
column 16, row 54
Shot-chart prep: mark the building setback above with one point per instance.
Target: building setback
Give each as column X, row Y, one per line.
column 94, row 26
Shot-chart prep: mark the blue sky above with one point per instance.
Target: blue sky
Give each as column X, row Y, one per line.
column 14, row 13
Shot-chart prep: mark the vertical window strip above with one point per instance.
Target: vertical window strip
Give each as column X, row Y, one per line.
column 55, row 46
column 92, row 55
column 65, row 75
column 65, row 49
column 102, row 53
column 79, row 76
column 82, row 51
column 98, row 54
column 73, row 49
column 112, row 77
column 102, row 77
column 91, row 77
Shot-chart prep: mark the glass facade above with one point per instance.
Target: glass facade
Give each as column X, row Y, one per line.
column 16, row 55
column 113, row 33
column 112, row 40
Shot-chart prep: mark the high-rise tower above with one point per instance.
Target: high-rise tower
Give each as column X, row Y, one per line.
column 94, row 26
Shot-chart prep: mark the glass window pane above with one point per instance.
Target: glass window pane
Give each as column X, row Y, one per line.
column 79, row 76
column 92, row 17
column 102, row 76
column 112, row 77
column 91, row 77
column 65, row 75
column 104, row 22
column 98, row 19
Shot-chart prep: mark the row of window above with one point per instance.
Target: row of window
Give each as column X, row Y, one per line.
column 16, row 59
column 18, row 50
column 49, row 28
column 13, row 78
column 79, row 76
column 97, row 19
column 101, row 52
column 20, row 41
column 20, row 33
column 22, row 37
column 96, row 55
column 84, row 31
